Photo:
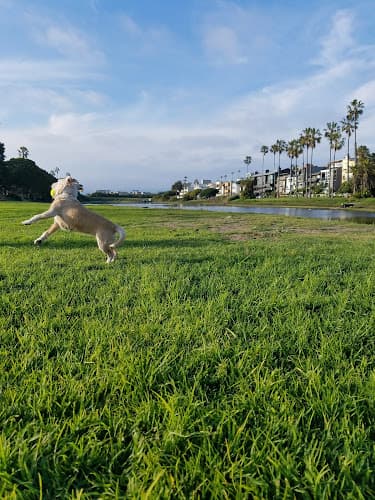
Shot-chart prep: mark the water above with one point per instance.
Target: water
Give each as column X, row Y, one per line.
column 360, row 217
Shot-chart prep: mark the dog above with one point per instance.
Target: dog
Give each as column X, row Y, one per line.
column 70, row 215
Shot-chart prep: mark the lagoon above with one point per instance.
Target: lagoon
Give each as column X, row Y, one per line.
column 361, row 217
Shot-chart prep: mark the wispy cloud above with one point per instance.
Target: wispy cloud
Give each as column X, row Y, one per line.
column 145, row 38
column 222, row 45
column 339, row 42
column 234, row 35
column 41, row 71
column 69, row 43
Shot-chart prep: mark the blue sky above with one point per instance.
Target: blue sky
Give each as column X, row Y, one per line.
column 136, row 94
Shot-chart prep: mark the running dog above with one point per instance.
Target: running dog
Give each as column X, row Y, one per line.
column 70, row 215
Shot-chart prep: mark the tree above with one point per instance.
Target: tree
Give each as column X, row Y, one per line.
column 331, row 133
column 294, row 150
column 304, row 144
column 2, row 152
column 23, row 152
column 348, row 128
column 177, row 186
column 280, row 148
column 247, row 162
column 208, row 193
column 273, row 150
column 364, row 171
column 338, row 143
column 21, row 178
column 247, row 188
column 264, row 151
column 355, row 110
column 55, row 171
column 313, row 137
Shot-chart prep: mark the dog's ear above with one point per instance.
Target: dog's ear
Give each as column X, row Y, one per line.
column 69, row 179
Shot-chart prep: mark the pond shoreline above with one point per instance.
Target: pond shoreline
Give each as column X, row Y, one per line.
column 339, row 214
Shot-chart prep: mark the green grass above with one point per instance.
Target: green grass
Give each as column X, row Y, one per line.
column 219, row 357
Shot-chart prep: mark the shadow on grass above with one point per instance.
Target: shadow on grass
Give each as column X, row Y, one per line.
column 50, row 244
column 91, row 243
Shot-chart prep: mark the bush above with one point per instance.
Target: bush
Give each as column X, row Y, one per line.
column 208, row 193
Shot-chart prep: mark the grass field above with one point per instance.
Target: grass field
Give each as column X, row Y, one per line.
column 219, row 357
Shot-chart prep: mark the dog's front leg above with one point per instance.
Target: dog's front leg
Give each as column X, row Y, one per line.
column 55, row 227
column 35, row 218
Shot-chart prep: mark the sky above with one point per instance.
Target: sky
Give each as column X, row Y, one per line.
column 137, row 94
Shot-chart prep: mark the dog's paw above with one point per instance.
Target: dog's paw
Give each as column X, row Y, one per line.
column 26, row 222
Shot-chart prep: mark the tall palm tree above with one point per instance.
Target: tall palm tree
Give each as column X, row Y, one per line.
column 338, row 143
column 304, row 143
column 281, row 147
column 273, row 150
column 355, row 110
column 290, row 148
column 348, row 128
column 298, row 150
column 306, row 139
column 247, row 162
column 264, row 151
column 294, row 150
column 314, row 138
column 331, row 133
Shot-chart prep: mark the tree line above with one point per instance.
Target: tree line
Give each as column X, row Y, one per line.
column 22, row 179
column 362, row 181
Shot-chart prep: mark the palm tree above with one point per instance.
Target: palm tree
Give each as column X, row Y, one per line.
column 315, row 139
column 338, row 143
column 355, row 109
column 273, row 150
column 281, row 147
column 313, row 136
column 331, row 133
column 264, row 151
column 291, row 151
column 347, row 127
column 247, row 162
column 294, row 150
column 298, row 150
column 304, row 143
column 305, row 139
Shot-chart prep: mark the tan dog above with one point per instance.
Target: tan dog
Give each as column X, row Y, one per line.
column 70, row 215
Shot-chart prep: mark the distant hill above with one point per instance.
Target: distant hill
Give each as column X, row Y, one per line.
column 22, row 179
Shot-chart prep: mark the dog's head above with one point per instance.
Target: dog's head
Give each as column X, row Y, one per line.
column 68, row 187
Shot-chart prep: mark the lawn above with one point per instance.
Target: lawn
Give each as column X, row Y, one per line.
column 218, row 357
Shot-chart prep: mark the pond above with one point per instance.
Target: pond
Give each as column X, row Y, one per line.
column 361, row 217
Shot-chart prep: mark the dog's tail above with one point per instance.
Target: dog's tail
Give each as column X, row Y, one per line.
column 120, row 231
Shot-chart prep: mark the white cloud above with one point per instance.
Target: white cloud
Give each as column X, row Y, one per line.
column 67, row 42
column 146, row 38
column 130, row 26
column 222, row 45
column 38, row 70
column 339, row 42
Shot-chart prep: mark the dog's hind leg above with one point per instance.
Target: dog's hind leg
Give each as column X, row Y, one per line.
column 105, row 247
column 55, row 227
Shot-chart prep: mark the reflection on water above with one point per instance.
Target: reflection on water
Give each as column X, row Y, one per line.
column 310, row 213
